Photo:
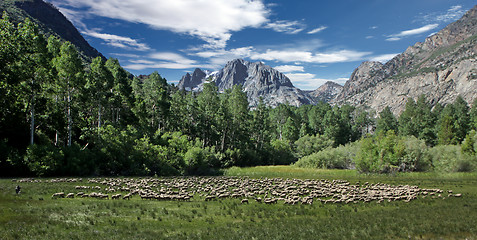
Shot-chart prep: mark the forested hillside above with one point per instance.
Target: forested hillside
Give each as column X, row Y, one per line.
column 62, row 117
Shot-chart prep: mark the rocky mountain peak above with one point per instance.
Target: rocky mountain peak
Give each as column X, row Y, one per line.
column 326, row 92
column 441, row 67
column 258, row 80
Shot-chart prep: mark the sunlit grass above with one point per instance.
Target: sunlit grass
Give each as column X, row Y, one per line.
column 35, row 215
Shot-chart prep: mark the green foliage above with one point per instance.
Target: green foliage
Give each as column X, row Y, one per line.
column 200, row 161
column 386, row 121
column 63, row 116
column 44, row 160
column 469, row 145
column 307, row 145
column 281, row 152
column 449, row 158
column 330, row 158
column 386, row 152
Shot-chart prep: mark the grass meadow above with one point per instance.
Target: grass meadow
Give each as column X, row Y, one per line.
column 33, row 214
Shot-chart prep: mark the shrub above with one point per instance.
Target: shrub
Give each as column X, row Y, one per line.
column 340, row 157
column 307, row 144
column 282, row 153
column 44, row 160
column 449, row 158
column 386, row 152
column 199, row 161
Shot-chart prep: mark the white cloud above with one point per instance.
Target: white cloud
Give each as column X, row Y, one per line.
column 118, row 41
column 167, row 60
column 384, row 58
column 309, row 81
column 289, row 27
column 309, row 57
column 172, row 57
column 452, row 14
column 317, row 30
column 406, row 33
column 289, row 68
column 218, row 57
column 210, row 20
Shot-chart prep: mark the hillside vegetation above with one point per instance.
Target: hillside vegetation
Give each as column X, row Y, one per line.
column 63, row 117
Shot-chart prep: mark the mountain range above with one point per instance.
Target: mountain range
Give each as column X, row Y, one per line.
column 442, row 67
column 257, row 79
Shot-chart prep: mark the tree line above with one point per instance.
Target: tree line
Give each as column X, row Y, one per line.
column 64, row 116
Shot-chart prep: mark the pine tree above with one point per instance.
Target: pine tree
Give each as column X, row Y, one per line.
column 386, row 121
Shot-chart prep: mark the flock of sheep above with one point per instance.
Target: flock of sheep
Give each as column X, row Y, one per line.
column 263, row 190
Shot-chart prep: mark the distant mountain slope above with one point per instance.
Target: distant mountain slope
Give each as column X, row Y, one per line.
column 326, row 92
column 258, row 80
column 442, row 67
column 50, row 20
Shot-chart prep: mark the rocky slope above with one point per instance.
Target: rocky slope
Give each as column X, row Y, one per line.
column 258, row 80
column 442, row 67
column 326, row 92
column 50, row 21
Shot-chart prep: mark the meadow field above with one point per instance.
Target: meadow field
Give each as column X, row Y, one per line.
column 34, row 214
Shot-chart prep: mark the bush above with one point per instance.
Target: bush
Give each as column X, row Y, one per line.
column 281, row 152
column 469, row 145
column 199, row 161
column 340, row 158
column 449, row 158
column 307, row 145
column 44, row 160
column 386, row 152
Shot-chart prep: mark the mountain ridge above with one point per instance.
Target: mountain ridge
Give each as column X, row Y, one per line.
column 257, row 79
column 442, row 67
column 50, row 21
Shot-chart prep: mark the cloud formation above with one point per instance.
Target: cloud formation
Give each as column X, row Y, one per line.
column 406, row 33
column 210, row 20
column 309, row 57
column 384, row 58
column 118, row 41
column 317, row 30
column 454, row 13
column 290, row 68
column 289, row 27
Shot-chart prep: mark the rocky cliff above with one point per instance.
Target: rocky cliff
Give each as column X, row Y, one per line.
column 326, row 92
column 50, row 21
column 258, row 80
column 442, row 67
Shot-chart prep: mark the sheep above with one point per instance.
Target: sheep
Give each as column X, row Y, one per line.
column 244, row 201
column 127, row 196
column 58, row 195
column 116, row 196
column 70, row 195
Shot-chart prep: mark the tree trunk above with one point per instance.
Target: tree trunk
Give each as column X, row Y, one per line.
column 99, row 117
column 70, row 121
column 32, row 120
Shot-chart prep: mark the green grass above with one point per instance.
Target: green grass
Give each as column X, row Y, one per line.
column 34, row 215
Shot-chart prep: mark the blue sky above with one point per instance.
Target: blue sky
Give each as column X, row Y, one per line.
column 310, row 41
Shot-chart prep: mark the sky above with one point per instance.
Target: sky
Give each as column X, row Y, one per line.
column 311, row 41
